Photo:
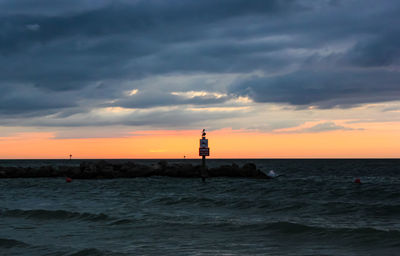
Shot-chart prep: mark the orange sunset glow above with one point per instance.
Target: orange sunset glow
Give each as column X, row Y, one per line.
column 379, row 141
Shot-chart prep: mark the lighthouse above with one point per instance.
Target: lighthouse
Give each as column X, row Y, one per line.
column 204, row 151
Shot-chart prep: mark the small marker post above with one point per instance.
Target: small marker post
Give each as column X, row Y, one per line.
column 70, row 157
column 204, row 151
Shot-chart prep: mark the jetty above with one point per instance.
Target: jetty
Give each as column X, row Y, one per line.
column 103, row 169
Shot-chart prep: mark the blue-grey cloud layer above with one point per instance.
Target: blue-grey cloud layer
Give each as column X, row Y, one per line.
column 66, row 57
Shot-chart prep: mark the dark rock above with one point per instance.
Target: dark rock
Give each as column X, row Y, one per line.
column 44, row 171
column 163, row 164
column 106, row 170
column 74, row 172
column 126, row 167
column 140, row 171
column 248, row 170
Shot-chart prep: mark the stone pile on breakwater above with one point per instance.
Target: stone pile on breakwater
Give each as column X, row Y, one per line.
column 106, row 170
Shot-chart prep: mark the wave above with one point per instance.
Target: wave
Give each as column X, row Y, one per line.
column 10, row 243
column 354, row 235
column 343, row 207
column 188, row 200
column 233, row 203
column 56, row 215
column 88, row 252
column 294, row 230
column 95, row 252
column 121, row 222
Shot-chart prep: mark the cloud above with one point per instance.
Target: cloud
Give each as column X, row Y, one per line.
column 323, row 89
column 149, row 99
column 24, row 100
column 325, row 127
column 33, row 27
column 317, row 128
column 379, row 51
column 63, row 61
column 160, row 117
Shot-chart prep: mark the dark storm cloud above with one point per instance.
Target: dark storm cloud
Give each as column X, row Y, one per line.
column 120, row 41
column 47, row 7
column 323, row 89
column 169, row 21
column 65, row 57
column 25, row 101
column 381, row 51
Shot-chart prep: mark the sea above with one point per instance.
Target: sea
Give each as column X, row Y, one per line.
column 313, row 207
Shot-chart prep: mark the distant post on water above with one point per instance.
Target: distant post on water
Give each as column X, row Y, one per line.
column 204, row 151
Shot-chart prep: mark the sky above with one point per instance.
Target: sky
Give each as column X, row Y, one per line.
column 142, row 78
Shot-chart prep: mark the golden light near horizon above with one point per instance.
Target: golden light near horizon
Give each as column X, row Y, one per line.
column 379, row 141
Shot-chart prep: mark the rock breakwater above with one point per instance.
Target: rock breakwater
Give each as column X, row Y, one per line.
column 106, row 170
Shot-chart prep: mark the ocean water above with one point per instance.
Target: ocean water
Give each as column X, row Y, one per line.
column 314, row 208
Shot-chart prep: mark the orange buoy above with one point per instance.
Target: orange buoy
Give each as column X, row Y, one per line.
column 358, row 181
column 68, row 179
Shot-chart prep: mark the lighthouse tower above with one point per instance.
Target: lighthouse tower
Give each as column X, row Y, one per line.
column 204, row 151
